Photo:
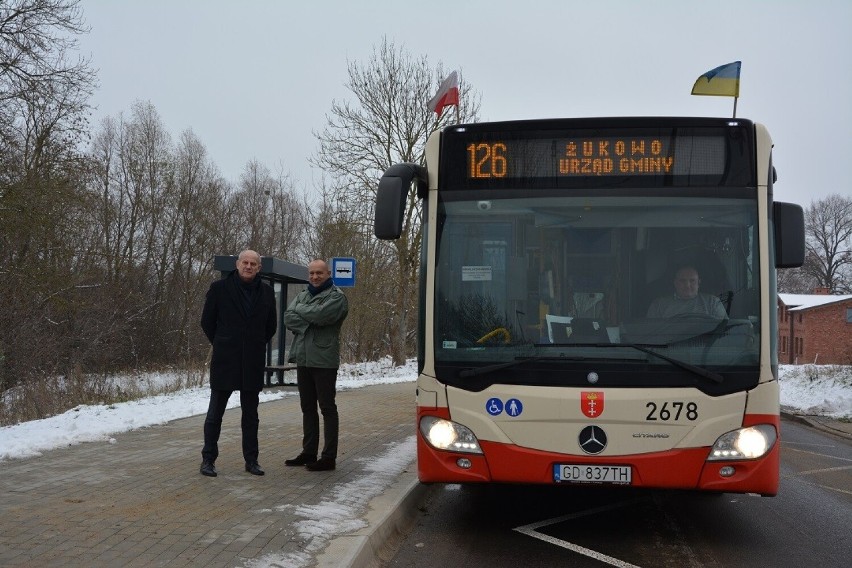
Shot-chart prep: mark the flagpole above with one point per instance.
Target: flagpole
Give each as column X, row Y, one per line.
column 735, row 107
column 458, row 104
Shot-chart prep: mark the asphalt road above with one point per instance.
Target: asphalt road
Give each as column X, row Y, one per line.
column 807, row 524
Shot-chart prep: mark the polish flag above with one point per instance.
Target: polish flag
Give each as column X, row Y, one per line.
column 448, row 94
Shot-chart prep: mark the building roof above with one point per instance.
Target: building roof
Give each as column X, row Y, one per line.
column 799, row 302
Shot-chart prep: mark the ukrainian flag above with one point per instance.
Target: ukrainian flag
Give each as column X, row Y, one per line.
column 723, row 81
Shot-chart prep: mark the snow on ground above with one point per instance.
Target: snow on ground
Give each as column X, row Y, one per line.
column 98, row 422
column 817, row 390
column 824, row 390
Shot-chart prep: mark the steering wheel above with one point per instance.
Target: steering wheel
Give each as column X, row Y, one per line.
column 695, row 317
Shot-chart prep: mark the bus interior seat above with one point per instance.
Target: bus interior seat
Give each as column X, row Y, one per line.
column 589, row 304
column 714, row 277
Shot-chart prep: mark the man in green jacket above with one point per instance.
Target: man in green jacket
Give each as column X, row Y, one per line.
column 315, row 317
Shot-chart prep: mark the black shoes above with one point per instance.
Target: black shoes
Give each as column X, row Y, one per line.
column 301, row 459
column 310, row 462
column 208, row 469
column 324, row 464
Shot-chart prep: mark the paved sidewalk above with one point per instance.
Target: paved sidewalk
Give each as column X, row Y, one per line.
column 141, row 501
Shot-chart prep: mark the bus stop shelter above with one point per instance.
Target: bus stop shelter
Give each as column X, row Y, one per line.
column 280, row 275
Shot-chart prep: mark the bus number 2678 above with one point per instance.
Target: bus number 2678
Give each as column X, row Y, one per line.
column 671, row 411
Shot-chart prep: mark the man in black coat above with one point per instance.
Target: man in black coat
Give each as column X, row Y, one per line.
column 239, row 319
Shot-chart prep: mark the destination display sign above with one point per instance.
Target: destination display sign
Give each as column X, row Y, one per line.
column 718, row 154
column 571, row 157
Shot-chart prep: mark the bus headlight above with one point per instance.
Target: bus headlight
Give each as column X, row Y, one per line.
column 446, row 435
column 744, row 444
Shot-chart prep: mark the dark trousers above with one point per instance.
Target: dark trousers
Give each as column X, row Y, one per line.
column 317, row 389
column 213, row 423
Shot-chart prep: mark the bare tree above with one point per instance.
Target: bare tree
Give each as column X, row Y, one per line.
column 43, row 113
column 268, row 213
column 795, row 281
column 287, row 226
column 37, row 39
column 43, row 92
column 162, row 212
column 387, row 123
column 828, row 238
column 43, row 105
column 197, row 199
column 252, row 202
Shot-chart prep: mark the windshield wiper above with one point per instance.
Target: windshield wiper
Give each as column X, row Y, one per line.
column 700, row 371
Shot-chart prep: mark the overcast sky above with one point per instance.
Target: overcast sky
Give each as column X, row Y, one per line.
column 255, row 79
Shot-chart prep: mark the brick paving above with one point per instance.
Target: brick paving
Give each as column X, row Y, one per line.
column 141, row 501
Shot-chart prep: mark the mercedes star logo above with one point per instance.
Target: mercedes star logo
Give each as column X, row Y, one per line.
column 592, row 439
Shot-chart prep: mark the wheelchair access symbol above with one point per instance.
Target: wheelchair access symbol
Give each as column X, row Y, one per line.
column 495, row 407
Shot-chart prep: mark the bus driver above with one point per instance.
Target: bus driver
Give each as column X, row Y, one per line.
column 687, row 299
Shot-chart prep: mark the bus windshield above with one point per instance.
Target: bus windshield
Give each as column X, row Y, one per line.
column 659, row 289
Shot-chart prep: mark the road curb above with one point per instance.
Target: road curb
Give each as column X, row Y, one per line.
column 824, row 425
column 390, row 514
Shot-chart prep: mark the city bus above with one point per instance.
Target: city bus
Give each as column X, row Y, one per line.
column 545, row 243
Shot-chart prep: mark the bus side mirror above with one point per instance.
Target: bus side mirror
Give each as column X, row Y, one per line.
column 789, row 221
column 391, row 197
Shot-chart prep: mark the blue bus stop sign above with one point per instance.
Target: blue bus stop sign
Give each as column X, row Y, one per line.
column 343, row 272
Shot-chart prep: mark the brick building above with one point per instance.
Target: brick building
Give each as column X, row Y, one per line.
column 815, row 328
